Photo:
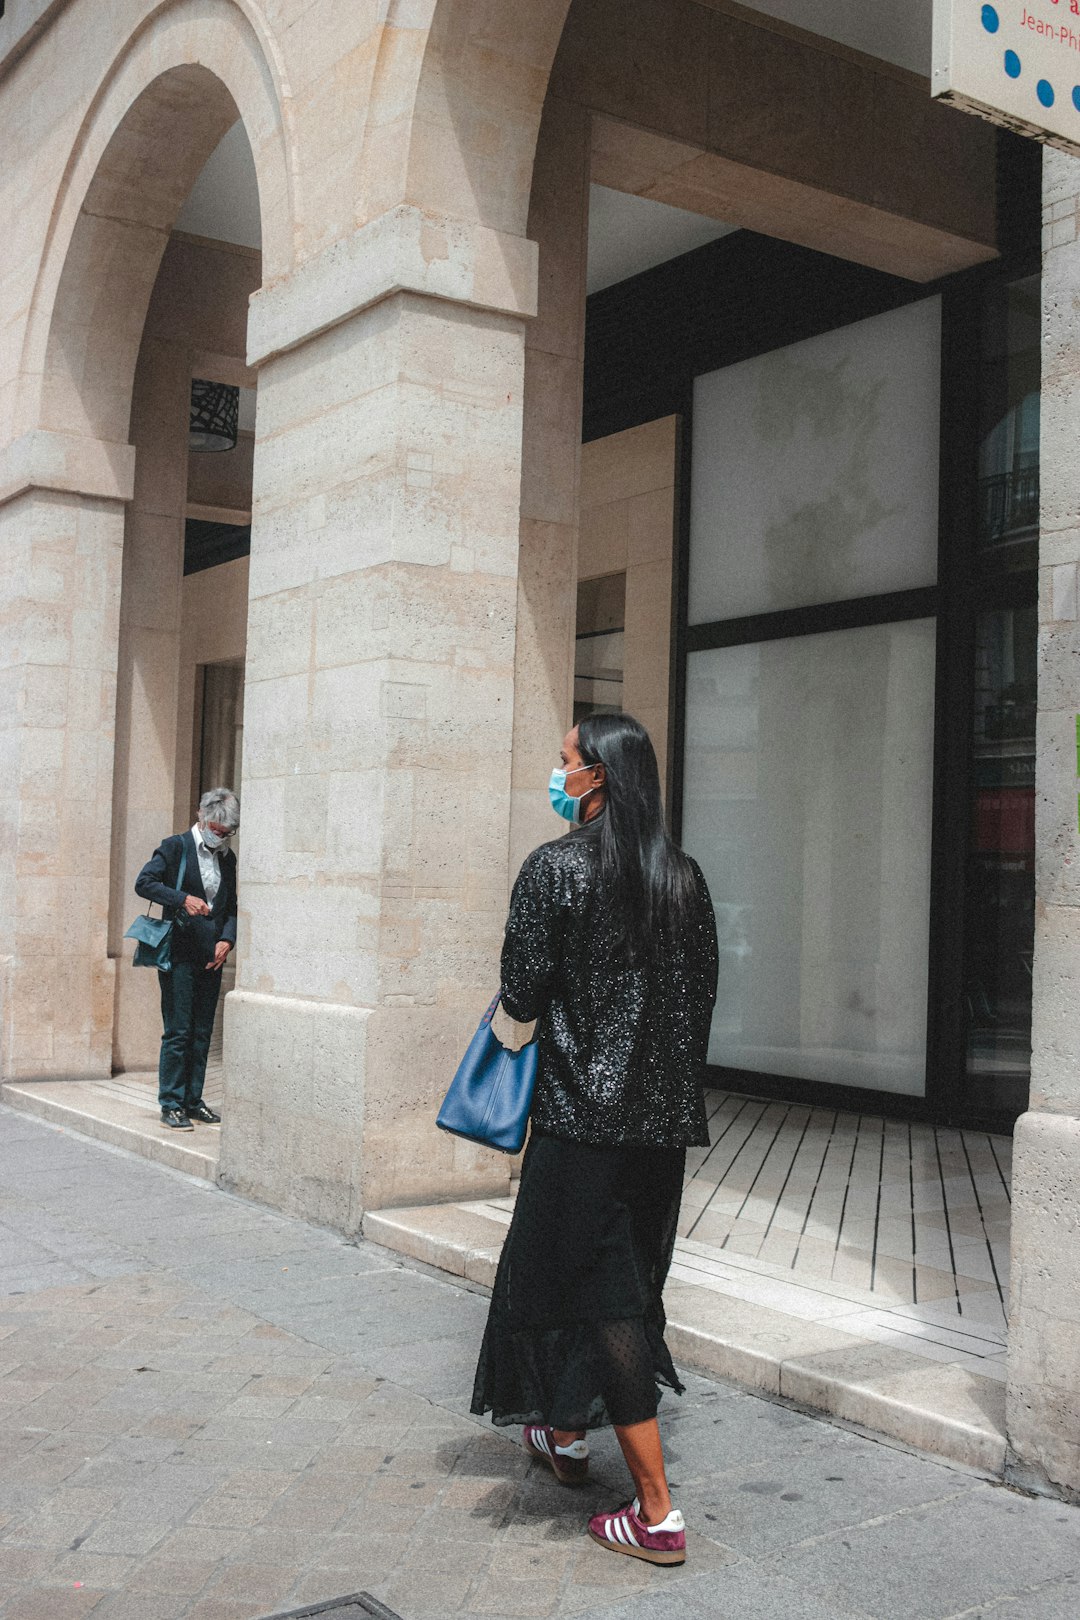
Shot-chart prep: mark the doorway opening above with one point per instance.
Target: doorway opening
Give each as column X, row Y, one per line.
column 183, row 630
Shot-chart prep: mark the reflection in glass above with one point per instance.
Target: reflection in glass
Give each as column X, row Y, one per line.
column 1008, row 515
column 1001, row 860
column 599, row 657
column 808, row 805
column 816, row 469
column 221, row 739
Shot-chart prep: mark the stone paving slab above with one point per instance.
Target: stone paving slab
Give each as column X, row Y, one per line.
column 211, row 1412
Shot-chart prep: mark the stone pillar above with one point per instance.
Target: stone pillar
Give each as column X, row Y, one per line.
column 61, row 536
column 378, row 713
column 550, row 474
column 148, row 671
column 1043, row 1398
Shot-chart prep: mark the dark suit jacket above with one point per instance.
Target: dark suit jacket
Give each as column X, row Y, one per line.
column 194, row 938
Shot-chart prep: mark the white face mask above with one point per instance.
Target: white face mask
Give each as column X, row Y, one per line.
column 215, row 841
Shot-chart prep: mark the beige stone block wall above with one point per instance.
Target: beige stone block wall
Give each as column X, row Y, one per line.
column 219, row 483
column 1043, row 1395
column 59, row 605
column 628, row 525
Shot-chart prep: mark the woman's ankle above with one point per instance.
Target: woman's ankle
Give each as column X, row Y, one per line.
column 654, row 1509
column 566, row 1437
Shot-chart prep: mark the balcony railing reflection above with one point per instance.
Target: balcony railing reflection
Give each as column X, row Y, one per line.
column 1008, row 504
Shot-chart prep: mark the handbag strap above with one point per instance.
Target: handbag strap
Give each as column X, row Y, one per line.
column 489, row 1015
column 180, row 885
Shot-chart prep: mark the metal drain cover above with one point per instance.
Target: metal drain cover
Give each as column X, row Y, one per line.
column 357, row 1606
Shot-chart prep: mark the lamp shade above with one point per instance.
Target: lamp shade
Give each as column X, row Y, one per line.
column 215, row 409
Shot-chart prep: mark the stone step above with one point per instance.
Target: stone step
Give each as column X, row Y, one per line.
column 933, row 1405
column 89, row 1108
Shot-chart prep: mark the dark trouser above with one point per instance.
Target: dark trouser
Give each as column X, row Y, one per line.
column 188, row 1002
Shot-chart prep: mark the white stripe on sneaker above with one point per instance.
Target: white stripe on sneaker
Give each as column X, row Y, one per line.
column 622, row 1531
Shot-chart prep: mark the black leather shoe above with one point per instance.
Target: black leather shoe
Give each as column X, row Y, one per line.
column 176, row 1119
column 207, row 1115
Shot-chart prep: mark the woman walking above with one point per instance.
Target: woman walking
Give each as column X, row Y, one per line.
column 611, row 945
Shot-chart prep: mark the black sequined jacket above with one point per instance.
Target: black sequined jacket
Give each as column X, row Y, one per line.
column 622, row 1050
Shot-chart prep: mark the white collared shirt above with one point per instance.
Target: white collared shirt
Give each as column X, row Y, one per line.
column 209, row 870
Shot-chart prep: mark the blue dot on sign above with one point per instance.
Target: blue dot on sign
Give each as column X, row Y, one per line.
column 1045, row 92
column 1012, row 64
column 990, row 20
column 1076, row 97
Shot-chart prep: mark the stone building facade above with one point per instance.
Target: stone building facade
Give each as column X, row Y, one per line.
column 414, row 320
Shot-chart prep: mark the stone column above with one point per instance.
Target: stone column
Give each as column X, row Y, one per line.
column 1043, row 1398
column 378, row 712
column 148, row 672
column 61, row 536
column 550, row 474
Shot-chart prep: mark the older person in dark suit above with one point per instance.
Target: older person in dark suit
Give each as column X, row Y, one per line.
column 204, row 907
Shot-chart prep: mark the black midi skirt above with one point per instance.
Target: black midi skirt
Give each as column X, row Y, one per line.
column 575, row 1333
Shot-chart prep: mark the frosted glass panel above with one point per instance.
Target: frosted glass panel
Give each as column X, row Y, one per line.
column 807, row 802
column 815, row 469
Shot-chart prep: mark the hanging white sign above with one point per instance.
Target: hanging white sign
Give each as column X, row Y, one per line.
column 1015, row 62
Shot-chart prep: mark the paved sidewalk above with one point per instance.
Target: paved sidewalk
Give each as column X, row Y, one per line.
column 210, row 1412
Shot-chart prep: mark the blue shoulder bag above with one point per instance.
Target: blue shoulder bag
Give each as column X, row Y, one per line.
column 153, row 935
column 491, row 1094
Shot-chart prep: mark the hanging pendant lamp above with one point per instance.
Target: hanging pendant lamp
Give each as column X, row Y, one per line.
column 215, row 410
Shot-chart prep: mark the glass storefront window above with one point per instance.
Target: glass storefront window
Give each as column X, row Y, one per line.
column 1001, row 858
column 807, row 802
column 1008, row 512
column 808, row 760
column 816, row 469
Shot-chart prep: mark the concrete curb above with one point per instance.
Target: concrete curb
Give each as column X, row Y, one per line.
column 946, row 1410
column 53, row 1101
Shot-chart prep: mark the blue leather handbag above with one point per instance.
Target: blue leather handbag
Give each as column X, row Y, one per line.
column 153, row 935
column 491, row 1094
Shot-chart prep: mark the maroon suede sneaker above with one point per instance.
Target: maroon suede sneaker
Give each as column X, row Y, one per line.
column 569, row 1464
column 625, row 1532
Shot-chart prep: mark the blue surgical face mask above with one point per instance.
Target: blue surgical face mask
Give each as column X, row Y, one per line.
column 563, row 803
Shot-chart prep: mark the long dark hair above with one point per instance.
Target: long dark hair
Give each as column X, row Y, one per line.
column 647, row 881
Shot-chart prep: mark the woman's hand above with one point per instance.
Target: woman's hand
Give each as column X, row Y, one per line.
column 221, row 951
column 196, row 907
column 508, row 1032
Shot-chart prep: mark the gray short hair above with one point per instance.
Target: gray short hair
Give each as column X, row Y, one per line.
column 220, row 805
